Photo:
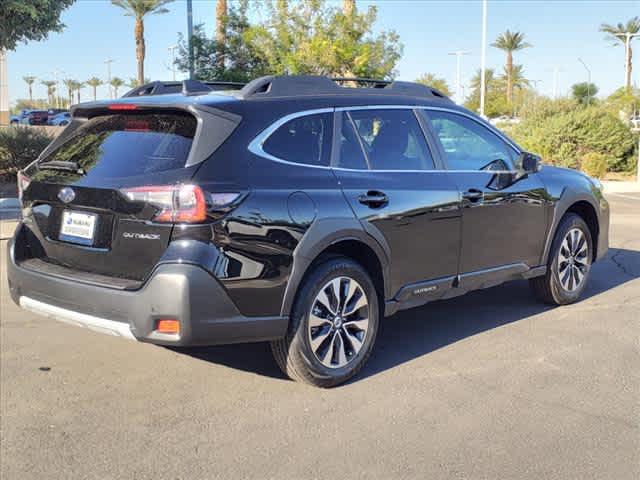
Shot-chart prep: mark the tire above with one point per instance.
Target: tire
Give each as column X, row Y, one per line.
column 304, row 353
column 560, row 286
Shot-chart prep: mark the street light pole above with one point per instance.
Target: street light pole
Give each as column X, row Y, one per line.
column 588, row 80
column 483, row 58
column 109, row 61
column 459, row 54
column 189, row 36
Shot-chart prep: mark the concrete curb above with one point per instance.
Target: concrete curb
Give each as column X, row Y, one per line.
column 621, row 187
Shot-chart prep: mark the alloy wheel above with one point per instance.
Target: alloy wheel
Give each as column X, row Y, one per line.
column 338, row 322
column 573, row 260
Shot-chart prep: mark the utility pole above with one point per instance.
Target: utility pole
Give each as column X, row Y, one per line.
column 172, row 51
column 588, row 80
column 459, row 54
column 628, row 36
column 483, row 58
column 190, row 36
column 109, row 61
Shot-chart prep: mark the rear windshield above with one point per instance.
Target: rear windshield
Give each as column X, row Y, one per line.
column 123, row 145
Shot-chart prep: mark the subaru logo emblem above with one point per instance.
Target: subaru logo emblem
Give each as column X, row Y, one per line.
column 66, row 195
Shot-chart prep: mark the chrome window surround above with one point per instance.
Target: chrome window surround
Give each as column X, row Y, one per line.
column 256, row 145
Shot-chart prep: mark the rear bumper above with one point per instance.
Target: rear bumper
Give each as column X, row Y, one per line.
column 175, row 291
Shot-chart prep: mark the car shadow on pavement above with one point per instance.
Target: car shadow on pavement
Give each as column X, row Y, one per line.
column 413, row 333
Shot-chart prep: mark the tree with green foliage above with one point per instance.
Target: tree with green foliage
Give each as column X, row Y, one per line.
column 94, row 83
column 116, row 83
column 565, row 138
column 305, row 37
column 78, row 86
column 140, row 9
column 241, row 61
column 584, row 92
column 133, row 82
column 309, row 37
column 495, row 102
column 18, row 148
column 30, row 80
column 23, row 21
column 51, row 90
column 432, row 80
column 70, row 84
column 29, row 20
column 617, row 35
column 510, row 42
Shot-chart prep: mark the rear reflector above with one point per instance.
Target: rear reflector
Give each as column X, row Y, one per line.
column 175, row 203
column 171, row 327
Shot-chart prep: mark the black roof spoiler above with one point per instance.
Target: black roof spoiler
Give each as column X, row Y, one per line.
column 291, row 85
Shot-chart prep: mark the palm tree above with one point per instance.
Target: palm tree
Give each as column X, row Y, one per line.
column 138, row 9
column 77, row 87
column 133, row 82
column 94, row 82
column 51, row 89
column 221, row 30
column 510, row 42
column 30, row 81
column 116, row 83
column 490, row 80
column 70, row 84
column 617, row 34
column 348, row 7
column 431, row 80
column 518, row 80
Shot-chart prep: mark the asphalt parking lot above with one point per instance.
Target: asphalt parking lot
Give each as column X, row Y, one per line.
column 492, row 385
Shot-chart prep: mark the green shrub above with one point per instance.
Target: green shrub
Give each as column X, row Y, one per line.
column 19, row 146
column 594, row 164
column 564, row 138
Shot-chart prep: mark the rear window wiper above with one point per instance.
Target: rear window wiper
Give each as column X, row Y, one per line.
column 62, row 165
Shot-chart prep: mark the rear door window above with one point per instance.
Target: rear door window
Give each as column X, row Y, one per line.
column 392, row 139
column 305, row 140
column 124, row 145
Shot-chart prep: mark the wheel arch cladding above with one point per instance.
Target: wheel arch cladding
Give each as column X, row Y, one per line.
column 588, row 213
column 343, row 237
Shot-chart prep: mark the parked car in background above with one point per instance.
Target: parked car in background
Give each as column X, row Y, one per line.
column 36, row 117
column 295, row 211
column 60, row 120
column 17, row 119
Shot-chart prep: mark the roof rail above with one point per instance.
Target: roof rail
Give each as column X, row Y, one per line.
column 186, row 87
column 291, row 85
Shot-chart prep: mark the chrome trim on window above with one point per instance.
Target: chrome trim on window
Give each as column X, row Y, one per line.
column 256, row 145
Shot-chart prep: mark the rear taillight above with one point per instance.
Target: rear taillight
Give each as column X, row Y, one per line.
column 175, row 203
column 23, row 183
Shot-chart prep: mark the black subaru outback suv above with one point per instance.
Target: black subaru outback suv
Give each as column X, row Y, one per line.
column 294, row 210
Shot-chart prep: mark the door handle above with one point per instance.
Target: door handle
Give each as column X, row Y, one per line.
column 473, row 195
column 373, row 199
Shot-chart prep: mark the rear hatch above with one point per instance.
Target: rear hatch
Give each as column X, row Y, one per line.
column 85, row 209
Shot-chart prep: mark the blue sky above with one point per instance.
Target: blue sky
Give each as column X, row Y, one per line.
column 560, row 31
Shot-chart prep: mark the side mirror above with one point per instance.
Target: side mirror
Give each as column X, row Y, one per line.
column 530, row 163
